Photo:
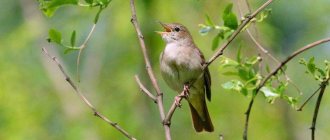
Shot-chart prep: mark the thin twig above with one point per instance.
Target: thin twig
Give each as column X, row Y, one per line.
column 82, row 47
column 175, row 105
column 85, row 100
column 144, row 89
column 309, row 98
column 149, row 69
column 219, row 52
column 274, row 72
column 317, row 106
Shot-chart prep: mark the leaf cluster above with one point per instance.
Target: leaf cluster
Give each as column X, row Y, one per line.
column 230, row 24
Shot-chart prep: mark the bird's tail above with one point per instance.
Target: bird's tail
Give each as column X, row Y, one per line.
column 201, row 123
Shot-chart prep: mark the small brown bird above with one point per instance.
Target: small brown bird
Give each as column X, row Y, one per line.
column 181, row 64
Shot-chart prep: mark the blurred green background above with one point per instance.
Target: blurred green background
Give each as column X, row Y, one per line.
column 37, row 103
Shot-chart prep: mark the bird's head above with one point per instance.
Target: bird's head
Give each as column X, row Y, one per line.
column 174, row 32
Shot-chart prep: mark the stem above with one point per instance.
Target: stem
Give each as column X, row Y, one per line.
column 316, row 110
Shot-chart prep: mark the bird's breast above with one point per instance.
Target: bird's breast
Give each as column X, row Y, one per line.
column 182, row 56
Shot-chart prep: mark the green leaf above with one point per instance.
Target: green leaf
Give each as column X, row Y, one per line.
column 233, row 85
column 263, row 15
column 50, row 6
column 215, row 41
column 209, row 21
column 243, row 73
column 55, row 36
column 269, row 93
column 311, row 65
column 238, row 56
column 252, row 60
column 227, row 62
column 70, row 49
column 89, row 1
column 73, row 38
column 228, row 9
column 229, row 18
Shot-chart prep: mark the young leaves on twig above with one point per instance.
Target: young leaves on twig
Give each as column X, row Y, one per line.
column 56, row 37
column 249, row 78
column 318, row 73
column 230, row 24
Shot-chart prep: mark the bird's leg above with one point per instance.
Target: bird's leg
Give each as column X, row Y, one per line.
column 183, row 94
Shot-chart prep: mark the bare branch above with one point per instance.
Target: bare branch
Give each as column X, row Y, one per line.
column 274, row 72
column 144, row 89
column 85, row 100
column 149, row 70
column 308, row 99
column 317, row 106
column 175, row 104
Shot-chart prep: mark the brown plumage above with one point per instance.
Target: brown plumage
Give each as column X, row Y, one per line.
column 181, row 63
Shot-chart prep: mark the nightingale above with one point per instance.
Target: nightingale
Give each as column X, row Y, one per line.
column 181, row 65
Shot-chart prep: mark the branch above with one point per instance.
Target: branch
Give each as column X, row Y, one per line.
column 317, row 106
column 83, row 46
column 149, row 70
column 144, row 89
column 274, row 72
column 219, row 52
column 237, row 31
column 85, row 100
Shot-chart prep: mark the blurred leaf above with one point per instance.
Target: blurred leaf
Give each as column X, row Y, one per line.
column 216, row 40
column 230, row 73
column 227, row 62
column 229, row 18
column 291, row 100
column 263, row 15
column 89, row 1
column 73, row 38
column 233, row 85
column 50, row 6
column 252, row 60
column 55, row 36
column 209, row 21
column 270, row 93
column 311, row 66
column 205, row 29
column 238, row 56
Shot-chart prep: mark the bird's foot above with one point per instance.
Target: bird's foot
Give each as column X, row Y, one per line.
column 177, row 100
column 185, row 90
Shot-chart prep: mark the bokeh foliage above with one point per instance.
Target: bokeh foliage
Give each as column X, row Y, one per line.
column 37, row 103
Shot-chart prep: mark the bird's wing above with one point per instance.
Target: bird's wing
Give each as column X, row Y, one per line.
column 206, row 76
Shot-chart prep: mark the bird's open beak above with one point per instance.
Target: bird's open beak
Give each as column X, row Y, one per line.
column 166, row 28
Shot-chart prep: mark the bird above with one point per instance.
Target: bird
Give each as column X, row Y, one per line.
column 181, row 66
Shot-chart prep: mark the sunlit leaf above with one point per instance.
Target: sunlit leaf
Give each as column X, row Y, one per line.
column 269, row 93
column 233, row 85
column 208, row 20
column 229, row 18
column 50, row 6
column 216, row 40
column 55, row 36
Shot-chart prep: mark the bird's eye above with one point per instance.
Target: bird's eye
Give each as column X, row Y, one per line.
column 177, row 29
